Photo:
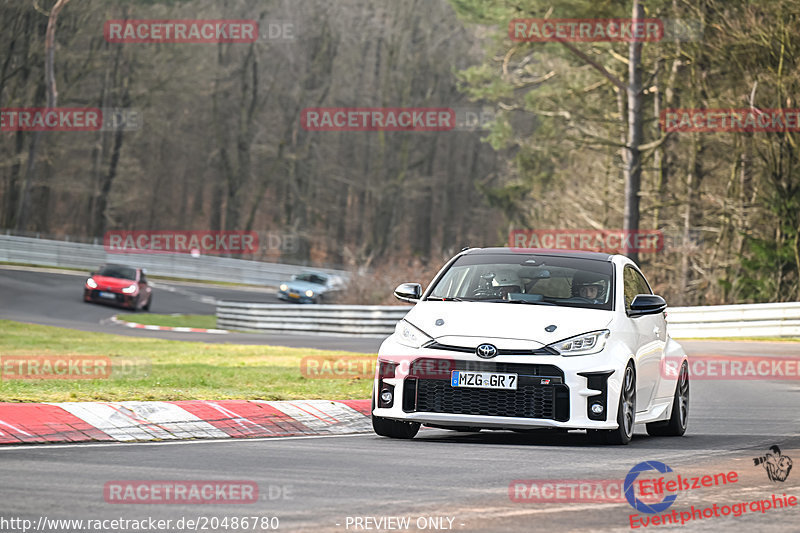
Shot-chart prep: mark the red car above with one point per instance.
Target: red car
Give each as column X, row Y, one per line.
column 119, row 285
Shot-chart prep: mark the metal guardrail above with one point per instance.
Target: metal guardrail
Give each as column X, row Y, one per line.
column 749, row 320
column 363, row 320
column 753, row 320
column 88, row 257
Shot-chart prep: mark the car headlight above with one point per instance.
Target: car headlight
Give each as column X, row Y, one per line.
column 409, row 335
column 91, row 283
column 284, row 287
column 309, row 293
column 130, row 289
column 583, row 344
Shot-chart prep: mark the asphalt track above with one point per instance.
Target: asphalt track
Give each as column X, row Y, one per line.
column 438, row 474
column 52, row 298
column 332, row 481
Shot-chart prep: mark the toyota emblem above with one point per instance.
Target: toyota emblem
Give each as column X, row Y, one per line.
column 486, row 351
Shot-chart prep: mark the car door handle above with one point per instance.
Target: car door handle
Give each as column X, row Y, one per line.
column 656, row 331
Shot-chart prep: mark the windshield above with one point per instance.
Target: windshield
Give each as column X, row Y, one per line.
column 114, row 271
column 311, row 278
column 528, row 278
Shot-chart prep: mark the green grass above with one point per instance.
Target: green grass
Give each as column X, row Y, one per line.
column 154, row 369
column 173, row 321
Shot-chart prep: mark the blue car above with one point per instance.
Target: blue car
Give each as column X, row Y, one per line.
column 309, row 288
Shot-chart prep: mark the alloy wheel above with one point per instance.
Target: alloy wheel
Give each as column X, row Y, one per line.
column 629, row 400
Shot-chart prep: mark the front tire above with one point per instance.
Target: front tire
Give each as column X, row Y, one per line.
column 149, row 301
column 626, row 414
column 395, row 429
column 679, row 419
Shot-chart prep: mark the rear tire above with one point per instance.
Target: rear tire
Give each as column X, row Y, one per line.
column 679, row 419
column 626, row 414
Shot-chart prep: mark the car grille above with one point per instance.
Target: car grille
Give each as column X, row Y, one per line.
column 95, row 295
column 532, row 399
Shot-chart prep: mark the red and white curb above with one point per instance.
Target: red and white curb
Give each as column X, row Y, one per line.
column 117, row 320
column 189, row 419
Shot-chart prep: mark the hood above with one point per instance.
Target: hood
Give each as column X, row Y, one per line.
column 505, row 320
column 104, row 282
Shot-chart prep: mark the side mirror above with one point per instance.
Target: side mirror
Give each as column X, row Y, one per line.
column 647, row 304
column 408, row 292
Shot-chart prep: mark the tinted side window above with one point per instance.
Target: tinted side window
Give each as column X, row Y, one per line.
column 634, row 284
column 644, row 288
column 631, row 285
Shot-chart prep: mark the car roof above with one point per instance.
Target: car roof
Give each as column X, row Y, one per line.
column 573, row 254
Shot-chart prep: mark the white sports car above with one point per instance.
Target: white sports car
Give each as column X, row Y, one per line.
column 518, row 339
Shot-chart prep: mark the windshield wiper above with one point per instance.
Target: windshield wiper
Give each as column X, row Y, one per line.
column 445, row 299
column 503, row 300
column 540, row 302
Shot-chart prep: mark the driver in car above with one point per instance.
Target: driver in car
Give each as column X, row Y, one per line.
column 506, row 282
column 591, row 292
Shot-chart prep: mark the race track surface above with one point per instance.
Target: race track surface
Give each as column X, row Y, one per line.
column 438, row 474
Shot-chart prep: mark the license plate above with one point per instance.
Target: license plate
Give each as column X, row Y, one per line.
column 483, row 380
column 109, row 295
column 294, row 295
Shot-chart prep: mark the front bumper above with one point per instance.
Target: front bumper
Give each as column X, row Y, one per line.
column 552, row 391
column 301, row 297
column 123, row 300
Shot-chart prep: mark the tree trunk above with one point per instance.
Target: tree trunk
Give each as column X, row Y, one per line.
column 633, row 164
column 52, row 100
